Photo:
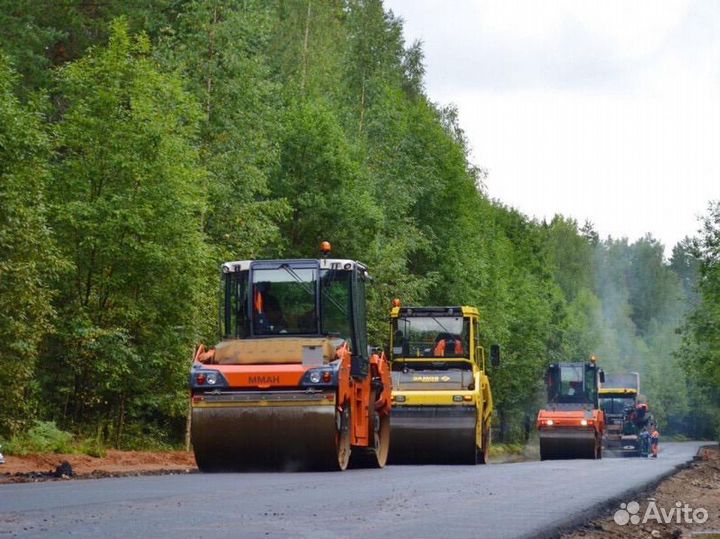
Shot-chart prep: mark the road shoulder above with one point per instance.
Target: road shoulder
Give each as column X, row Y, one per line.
column 50, row 466
column 695, row 486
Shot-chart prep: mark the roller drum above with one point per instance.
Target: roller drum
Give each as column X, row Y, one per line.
column 433, row 435
column 258, row 436
column 567, row 444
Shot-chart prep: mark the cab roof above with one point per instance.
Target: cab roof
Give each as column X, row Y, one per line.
column 325, row 263
column 436, row 311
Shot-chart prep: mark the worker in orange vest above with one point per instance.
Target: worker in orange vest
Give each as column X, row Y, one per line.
column 268, row 315
column 654, row 438
column 441, row 346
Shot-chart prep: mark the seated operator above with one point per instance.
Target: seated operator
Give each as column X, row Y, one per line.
column 575, row 389
column 268, row 315
column 448, row 345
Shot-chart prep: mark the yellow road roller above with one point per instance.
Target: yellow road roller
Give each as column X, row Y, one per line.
column 442, row 402
column 293, row 384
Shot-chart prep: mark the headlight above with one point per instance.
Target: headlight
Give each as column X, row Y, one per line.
column 322, row 376
column 202, row 378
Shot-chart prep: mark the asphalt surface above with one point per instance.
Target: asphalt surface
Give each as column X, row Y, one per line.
column 527, row 499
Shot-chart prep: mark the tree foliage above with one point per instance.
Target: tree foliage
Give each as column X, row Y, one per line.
column 701, row 347
column 126, row 201
column 184, row 134
column 28, row 258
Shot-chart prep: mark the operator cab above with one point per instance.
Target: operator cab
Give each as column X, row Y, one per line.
column 573, row 385
column 437, row 333
column 616, row 404
column 321, row 298
column 436, row 346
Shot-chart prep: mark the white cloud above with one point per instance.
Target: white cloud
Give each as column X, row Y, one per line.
column 608, row 110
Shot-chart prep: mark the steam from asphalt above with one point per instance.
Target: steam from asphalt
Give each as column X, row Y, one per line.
column 625, row 347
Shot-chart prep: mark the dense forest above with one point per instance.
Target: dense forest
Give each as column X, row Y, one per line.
column 142, row 143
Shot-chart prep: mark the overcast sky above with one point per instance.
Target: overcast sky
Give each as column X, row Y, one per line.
column 601, row 110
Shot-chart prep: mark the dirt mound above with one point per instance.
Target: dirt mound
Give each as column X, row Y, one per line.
column 698, row 486
column 115, row 463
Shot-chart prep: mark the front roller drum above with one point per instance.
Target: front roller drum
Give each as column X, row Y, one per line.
column 433, row 435
column 287, row 438
column 569, row 444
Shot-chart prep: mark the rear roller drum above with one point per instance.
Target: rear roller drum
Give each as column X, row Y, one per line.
column 342, row 439
column 382, row 441
column 377, row 455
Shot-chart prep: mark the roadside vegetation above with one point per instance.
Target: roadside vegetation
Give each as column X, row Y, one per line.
column 46, row 437
column 141, row 147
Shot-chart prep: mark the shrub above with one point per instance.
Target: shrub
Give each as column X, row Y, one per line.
column 42, row 437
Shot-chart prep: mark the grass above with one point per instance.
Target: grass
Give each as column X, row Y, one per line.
column 514, row 452
column 504, row 450
column 46, row 437
column 42, row 437
column 91, row 446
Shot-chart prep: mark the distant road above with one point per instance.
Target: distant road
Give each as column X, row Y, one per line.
column 527, row 499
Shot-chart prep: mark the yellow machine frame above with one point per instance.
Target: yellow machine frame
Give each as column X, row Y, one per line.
column 480, row 397
column 617, row 391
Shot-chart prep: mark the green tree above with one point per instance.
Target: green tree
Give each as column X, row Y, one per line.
column 222, row 49
column 324, row 186
column 127, row 199
column 28, row 259
column 40, row 34
column 571, row 256
column 307, row 47
column 686, row 265
column 652, row 285
column 256, row 129
column 701, row 345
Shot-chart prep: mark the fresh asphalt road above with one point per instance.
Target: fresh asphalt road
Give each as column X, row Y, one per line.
column 527, row 499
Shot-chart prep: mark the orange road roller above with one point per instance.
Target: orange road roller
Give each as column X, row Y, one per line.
column 572, row 424
column 293, row 383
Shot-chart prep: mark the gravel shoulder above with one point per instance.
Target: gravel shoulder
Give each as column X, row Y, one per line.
column 697, row 485
column 49, row 466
